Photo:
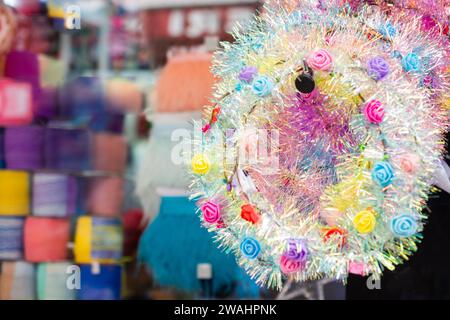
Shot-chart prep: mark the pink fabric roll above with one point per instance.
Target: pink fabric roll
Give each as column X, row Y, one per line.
column 16, row 106
column 105, row 196
column 110, row 152
column 45, row 239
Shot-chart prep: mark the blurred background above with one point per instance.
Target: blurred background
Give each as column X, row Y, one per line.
column 91, row 205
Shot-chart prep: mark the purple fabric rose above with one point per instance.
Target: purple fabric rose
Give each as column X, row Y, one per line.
column 296, row 250
column 377, row 68
column 247, row 74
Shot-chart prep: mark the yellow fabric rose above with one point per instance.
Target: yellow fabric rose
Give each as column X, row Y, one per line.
column 200, row 164
column 365, row 221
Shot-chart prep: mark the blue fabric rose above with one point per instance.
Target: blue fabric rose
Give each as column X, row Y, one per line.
column 262, row 86
column 411, row 62
column 383, row 173
column 388, row 30
column 404, row 225
column 250, row 247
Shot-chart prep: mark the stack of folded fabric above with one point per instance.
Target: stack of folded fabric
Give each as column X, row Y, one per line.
column 63, row 158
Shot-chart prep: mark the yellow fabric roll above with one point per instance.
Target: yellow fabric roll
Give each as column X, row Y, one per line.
column 83, row 239
column 94, row 239
column 51, row 71
column 14, row 193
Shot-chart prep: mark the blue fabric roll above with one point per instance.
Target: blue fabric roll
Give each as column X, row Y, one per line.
column 82, row 99
column 175, row 243
column 104, row 285
column 11, row 238
column 83, row 103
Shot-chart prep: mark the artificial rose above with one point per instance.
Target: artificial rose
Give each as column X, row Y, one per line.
column 296, row 250
column 288, row 265
column 336, row 233
column 383, row 173
column 358, row 268
column 248, row 73
column 374, row 111
column 200, row 164
column 388, row 30
column 211, row 212
column 364, row 221
column 404, row 225
column 320, row 60
column 250, row 247
column 408, row 163
column 411, row 62
column 249, row 213
column 377, row 68
column 262, row 86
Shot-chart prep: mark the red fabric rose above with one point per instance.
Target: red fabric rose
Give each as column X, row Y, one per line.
column 249, row 213
column 335, row 233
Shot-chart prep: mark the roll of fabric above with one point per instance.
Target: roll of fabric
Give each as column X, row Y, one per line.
column 46, row 239
column 54, row 195
column 105, row 196
column 175, row 243
column 67, row 149
column 2, row 148
column 82, row 99
column 16, row 103
column 102, row 284
column 11, row 238
column 52, row 281
column 24, row 147
column 98, row 240
column 14, row 193
column 17, row 281
column 24, row 66
column 46, row 108
column 51, row 71
column 110, row 152
column 108, row 121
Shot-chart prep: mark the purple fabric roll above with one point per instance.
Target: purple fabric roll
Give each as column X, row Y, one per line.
column 54, row 195
column 2, row 148
column 67, row 149
column 47, row 104
column 24, row 147
column 24, row 66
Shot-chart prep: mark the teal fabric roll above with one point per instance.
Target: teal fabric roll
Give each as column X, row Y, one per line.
column 52, row 282
column 175, row 243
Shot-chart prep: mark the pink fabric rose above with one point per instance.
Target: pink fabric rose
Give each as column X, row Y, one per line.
column 358, row 268
column 374, row 111
column 288, row 266
column 408, row 163
column 211, row 212
column 320, row 60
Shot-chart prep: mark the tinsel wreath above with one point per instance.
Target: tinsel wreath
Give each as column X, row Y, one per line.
column 318, row 150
